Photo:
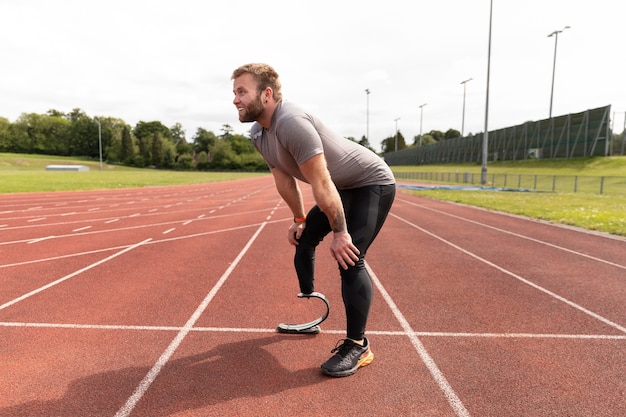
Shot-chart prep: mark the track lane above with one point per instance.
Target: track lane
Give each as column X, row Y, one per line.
column 504, row 347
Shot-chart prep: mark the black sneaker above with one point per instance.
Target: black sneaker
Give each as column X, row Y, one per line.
column 349, row 357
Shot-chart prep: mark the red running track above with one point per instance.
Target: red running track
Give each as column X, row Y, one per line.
column 163, row 302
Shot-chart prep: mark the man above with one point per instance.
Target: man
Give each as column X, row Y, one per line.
column 353, row 190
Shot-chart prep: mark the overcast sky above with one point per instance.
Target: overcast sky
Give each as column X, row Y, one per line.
column 171, row 61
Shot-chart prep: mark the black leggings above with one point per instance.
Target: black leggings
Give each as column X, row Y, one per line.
column 366, row 209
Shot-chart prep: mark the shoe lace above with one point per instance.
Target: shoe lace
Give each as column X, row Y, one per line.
column 343, row 346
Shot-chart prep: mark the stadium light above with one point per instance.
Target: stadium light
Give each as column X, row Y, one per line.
column 463, row 119
column 556, row 39
column 483, row 169
column 421, row 120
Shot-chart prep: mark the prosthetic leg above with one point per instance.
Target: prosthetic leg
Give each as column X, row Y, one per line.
column 311, row 327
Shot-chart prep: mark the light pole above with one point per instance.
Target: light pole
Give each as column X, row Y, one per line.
column 556, row 40
column 367, row 134
column 483, row 169
column 421, row 120
column 99, row 140
column 463, row 119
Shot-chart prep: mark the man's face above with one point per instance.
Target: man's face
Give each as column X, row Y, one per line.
column 247, row 99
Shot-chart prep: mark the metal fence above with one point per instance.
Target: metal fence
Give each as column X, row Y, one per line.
column 547, row 183
column 569, row 136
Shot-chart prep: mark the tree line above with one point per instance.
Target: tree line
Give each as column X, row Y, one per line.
column 151, row 144
column 147, row 144
column 397, row 141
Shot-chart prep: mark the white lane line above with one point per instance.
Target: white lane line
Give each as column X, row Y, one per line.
column 38, row 219
column 40, row 239
column 519, row 278
column 453, row 399
column 112, row 221
column 80, row 229
column 166, row 240
column 328, row 331
column 73, row 274
column 508, row 232
column 175, row 343
column 169, row 230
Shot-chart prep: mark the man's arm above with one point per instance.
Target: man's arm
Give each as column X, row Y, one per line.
column 289, row 190
column 328, row 200
column 325, row 192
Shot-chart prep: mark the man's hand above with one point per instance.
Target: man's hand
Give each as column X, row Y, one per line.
column 343, row 250
column 295, row 231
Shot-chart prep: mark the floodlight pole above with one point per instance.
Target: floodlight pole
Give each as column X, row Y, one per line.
column 624, row 134
column 483, row 170
column 421, row 120
column 99, row 140
column 396, row 120
column 556, row 40
column 463, row 118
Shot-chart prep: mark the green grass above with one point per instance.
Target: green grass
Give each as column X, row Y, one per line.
column 604, row 213
column 594, row 166
column 26, row 173
column 594, row 212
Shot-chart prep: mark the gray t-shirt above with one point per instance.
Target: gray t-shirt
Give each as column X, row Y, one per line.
column 295, row 136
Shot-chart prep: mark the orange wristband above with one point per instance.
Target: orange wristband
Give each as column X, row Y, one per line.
column 299, row 219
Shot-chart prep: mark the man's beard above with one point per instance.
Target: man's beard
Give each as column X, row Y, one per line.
column 252, row 112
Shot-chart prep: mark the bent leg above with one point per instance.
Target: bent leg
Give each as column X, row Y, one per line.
column 366, row 209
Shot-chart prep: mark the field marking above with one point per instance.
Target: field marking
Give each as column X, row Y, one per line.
column 453, row 335
column 517, row 277
column 152, row 242
column 508, row 232
column 454, row 401
column 73, row 274
column 141, row 226
column 143, row 386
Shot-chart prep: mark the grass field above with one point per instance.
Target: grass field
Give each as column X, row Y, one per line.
column 26, row 173
column 605, row 213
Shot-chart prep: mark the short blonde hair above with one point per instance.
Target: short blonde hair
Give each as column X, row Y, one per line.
column 264, row 75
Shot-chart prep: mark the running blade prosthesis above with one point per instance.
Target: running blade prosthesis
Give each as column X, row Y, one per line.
column 311, row 327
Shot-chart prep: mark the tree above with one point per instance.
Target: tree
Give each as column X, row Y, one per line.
column 83, row 136
column 240, row 144
column 366, row 143
column 389, row 144
column 5, row 143
column 452, row 134
column 203, row 140
column 227, row 130
column 158, row 156
column 128, row 150
column 178, row 133
column 223, row 157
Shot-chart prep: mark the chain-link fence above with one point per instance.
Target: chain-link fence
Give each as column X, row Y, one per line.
column 609, row 185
